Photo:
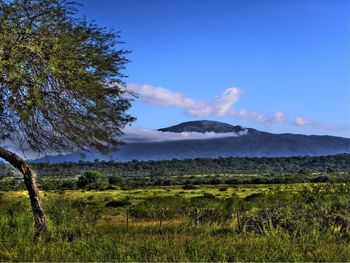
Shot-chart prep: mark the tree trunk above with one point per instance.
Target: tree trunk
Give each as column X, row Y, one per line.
column 40, row 225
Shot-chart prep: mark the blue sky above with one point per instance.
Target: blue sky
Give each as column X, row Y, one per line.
column 273, row 65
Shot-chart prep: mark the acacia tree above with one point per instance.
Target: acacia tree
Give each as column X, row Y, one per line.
column 61, row 85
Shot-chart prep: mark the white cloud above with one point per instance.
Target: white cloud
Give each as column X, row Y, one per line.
column 133, row 135
column 279, row 117
column 161, row 96
column 250, row 115
column 319, row 125
column 219, row 106
column 222, row 106
column 301, row 121
column 226, row 100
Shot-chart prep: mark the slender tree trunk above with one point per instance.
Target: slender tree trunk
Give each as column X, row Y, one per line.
column 40, row 224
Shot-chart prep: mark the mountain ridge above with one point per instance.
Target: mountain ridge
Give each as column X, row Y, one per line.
column 203, row 126
column 253, row 143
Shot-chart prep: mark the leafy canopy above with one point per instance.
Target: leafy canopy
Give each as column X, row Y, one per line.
column 61, row 77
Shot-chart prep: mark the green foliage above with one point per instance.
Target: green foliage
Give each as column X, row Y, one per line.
column 274, row 170
column 92, row 180
column 304, row 223
column 11, row 183
column 189, row 187
column 118, row 203
column 160, row 208
column 116, row 180
column 60, row 78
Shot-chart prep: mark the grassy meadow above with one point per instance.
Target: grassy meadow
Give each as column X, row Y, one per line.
column 264, row 222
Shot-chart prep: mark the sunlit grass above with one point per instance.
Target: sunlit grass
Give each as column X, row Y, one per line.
column 82, row 228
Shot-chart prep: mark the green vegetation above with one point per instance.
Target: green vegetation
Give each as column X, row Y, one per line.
column 232, row 165
column 160, row 213
column 265, row 222
column 230, row 171
column 92, row 180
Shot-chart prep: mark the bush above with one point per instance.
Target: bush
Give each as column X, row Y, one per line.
column 92, row 180
column 320, row 179
column 254, row 196
column 223, row 188
column 116, row 180
column 118, row 203
column 208, row 195
column 189, row 187
column 160, row 207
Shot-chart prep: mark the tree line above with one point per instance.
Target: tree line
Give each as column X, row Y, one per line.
column 232, row 165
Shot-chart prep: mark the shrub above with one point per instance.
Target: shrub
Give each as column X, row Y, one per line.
column 118, row 203
column 116, row 180
column 223, row 188
column 254, row 196
column 160, row 207
column 320, row 179
column 208, row 195
column 92, row 180
column 189, row 187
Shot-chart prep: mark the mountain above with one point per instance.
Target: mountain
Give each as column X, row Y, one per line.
column 205, row 126
column 240, row 142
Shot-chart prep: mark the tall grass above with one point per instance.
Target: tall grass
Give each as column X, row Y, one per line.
column 310, row 225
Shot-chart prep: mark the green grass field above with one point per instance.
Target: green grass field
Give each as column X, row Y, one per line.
column 287, row 222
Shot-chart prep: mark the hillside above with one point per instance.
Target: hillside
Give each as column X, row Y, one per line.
column 205, row 126
column 247, row 143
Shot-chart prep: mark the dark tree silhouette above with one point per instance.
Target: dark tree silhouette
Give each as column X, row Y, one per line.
column 61, row 85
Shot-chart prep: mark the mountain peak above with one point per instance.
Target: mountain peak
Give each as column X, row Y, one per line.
column 203, row 126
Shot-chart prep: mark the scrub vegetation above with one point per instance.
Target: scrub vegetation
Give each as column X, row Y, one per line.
column 265, row 222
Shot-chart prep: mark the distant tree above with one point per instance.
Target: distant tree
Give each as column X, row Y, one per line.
column 92, row 180
column 116, row 180
column 60, row 85
column 305, row 171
